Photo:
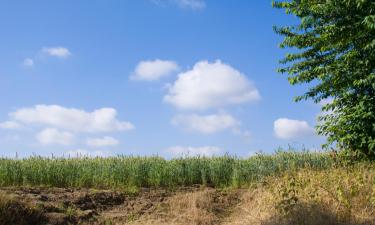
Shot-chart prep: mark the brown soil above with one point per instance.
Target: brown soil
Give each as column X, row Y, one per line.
column 58, row 206
column 184, row 206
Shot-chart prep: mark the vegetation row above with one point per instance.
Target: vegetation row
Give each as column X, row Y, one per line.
column 136, row 172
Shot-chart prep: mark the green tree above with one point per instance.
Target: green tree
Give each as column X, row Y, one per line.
column 334, row 50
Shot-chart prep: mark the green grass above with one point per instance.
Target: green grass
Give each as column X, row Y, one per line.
column 135, row 172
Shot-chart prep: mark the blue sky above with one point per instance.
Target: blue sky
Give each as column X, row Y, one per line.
column 146, row 77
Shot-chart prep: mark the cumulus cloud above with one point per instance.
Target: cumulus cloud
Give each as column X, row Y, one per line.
column 154, row 70
column 100, row 120
column 51, row 136
column 10, row 125
column 60, row 52
column 206, row 124
column 102, row 142
column 188, row 151
column 81, row 153
column 287, row 128
column 28, row 62
column 210, row 85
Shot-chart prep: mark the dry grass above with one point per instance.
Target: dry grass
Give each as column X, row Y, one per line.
column 255, row 207
column 204, row 207
column 338, row 196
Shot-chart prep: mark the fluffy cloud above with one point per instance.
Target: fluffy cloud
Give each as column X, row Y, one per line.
column 59, row 52
column 206, row 124
column 10, row 125
column 100, row 120
column 81, row 153
column 287, row 129
column 28, row 62
column 211, row 85
column 202, row 151
column 102, row 142
column 50, row 136
column 154, row 70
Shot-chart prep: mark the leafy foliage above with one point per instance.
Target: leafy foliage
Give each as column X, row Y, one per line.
column 335, row 50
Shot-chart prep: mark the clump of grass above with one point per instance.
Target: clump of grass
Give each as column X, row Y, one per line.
column 134, row 172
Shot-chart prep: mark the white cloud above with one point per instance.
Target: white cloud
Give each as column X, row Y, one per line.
column 28, row 62
column 102, row 142
column 59, row 52
column 50, row 136
column 10, row 125
column 189, row 151
column 206, row 124
column 287, row 129
column 81, row 153
column 211, row 85
column 154, row 70
column 100, row 120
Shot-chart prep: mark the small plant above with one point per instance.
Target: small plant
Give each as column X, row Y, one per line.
column 70, row 212
column 288, row 193
column 131, row 217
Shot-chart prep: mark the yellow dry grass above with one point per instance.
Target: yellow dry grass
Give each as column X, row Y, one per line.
column 184, row 208
column 338, row 196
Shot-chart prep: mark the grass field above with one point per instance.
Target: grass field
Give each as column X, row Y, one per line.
column 136, row 172
column 285, row 188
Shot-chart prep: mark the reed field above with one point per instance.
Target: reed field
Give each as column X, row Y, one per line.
column 137, row 172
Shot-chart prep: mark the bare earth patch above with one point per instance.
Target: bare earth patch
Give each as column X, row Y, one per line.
column 86, row 206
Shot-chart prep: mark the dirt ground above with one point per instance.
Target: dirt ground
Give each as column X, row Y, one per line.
column 184, row 206
column 57, row 206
